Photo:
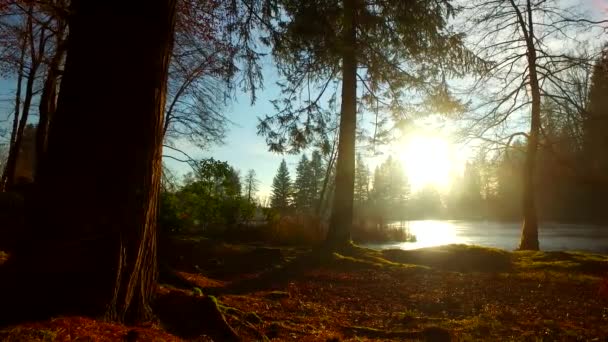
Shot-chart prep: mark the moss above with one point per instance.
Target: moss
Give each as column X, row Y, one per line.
column 367, row 260
column 228, row 310
column 197, row 291
column 461, row 258
column 577, row 264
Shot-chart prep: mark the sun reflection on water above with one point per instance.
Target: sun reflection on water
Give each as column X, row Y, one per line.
column 432, row 233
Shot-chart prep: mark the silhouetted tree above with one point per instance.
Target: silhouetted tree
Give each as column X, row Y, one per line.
column 390, row 47
column 251, row 184
column 513, row 36
column 595, row 136
column 361, row 191
column 427, row 203
column 96, row 214
column 281, row 198
column 390, row 190
column 30, row 42
column 317, row 174
column 302, row 186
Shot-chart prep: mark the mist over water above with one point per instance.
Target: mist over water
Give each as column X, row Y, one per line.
column 504, row 235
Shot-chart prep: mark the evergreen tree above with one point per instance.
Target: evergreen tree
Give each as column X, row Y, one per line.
column 471, row 190
column 303, row 186
column 510, row 181
column 361, row 182
column 390, row 189
column 317, row 173
column 595, row 146
column 281, row 197
column 392, row 47
column 427, row 203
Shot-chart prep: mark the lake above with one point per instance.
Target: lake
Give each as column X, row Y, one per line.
column 505, row 235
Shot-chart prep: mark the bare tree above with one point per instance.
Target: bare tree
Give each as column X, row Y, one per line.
column 30, row 35
column 251, row 184
column 525, row 40
column 214, row 54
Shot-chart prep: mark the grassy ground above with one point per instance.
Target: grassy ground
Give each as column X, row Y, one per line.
column 455, row 292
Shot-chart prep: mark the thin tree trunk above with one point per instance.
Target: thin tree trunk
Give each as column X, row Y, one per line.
column 95, row 215
column 12, row 155
column 318, row 213
column 27, row 103
column 48, row 102
column 342, row 209
column 529, row 233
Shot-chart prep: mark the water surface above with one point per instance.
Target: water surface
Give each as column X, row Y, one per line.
column 505, row 235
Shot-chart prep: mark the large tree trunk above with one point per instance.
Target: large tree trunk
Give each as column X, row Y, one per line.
column 94, row 242
column 529, row 233
column 342, row 210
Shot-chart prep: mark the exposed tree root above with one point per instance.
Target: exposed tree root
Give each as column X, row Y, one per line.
column 190, row 316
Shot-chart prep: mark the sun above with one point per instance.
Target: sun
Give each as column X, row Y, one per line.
column 428, row 160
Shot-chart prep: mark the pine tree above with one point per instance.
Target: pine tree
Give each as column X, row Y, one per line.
column 281, row 198
column 302, row 186
column 317, row 173
column 390, row 189
column 471, row 190
column 596, row 136
column 361, row 182
column 356, row 41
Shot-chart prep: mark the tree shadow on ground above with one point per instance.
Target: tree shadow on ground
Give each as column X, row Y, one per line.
column 349, row 257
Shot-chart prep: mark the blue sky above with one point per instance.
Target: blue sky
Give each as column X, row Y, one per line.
column 243, row 148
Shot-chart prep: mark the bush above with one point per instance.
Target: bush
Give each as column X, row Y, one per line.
column 286, row 230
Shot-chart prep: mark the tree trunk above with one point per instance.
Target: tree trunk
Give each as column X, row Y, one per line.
column 11, row 162
column 342, row 211
column 95, row 231
column 48, row 102
column 529, row 233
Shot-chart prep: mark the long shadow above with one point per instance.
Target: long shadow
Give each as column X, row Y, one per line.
column 277, row 277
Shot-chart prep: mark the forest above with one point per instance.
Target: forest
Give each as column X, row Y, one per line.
column 323, row 170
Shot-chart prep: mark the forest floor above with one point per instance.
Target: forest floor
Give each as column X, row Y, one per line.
column 455, row 292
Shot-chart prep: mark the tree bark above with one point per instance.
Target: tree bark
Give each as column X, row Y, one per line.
column 529, row 233
column 342, row 210
column 95, row 214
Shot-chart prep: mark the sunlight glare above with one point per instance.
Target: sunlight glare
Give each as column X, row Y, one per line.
column 428, row 160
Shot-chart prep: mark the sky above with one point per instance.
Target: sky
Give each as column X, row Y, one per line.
column 243, row 148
